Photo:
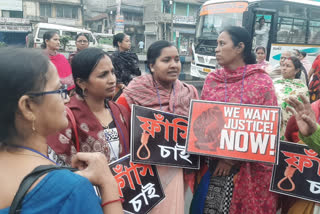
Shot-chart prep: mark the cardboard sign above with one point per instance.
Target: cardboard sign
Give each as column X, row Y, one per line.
column 234, row 131
column 138, row 184
column 159, row 138
column 298, row 172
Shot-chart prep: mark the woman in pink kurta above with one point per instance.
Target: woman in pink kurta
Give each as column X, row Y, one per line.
column 242, row 81
column 51, row 44
column 162, row 90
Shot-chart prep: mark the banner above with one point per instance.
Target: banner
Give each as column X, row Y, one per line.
column 298, row 172
column 159, row 138
column 234, row 131
column 138, row 184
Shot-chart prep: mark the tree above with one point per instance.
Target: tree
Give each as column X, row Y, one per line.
column 65, row 40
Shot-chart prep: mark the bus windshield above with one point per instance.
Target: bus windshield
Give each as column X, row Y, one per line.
column 215, row 17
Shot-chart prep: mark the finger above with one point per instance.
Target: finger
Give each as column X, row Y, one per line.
column 292, row 110
column 79, row 158
column 304, row 99
column 215, row 172
column 296, row 104
column 311, row 123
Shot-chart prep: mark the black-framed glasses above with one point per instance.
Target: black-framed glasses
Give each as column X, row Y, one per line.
column 63, row 91
column 83, row 41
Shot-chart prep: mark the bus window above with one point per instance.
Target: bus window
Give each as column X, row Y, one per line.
column 314, row 32
column 284, row 28
column 43, row 30
column 299, row 31
column 70, row 34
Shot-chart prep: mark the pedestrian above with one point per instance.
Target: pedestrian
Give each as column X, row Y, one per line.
column 314, row 87
column 275, row 72
column 305, row 61
column 262, row 33
column 261, row 58
column 82, row 42
column 241, row 81
column 288, row 86
column 51, row 45
column 163, row 90
column 34, row 108
column 101, row 124
column 126, row 63
column 141, row 46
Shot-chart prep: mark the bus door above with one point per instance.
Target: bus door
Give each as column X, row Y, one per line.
column 264, row 28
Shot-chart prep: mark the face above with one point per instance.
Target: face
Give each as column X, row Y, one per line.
column 260, row 55
column 82, row 43
column 226, row 52
column 54, row 42
column 50, row 113
column 262, row 21
column 284, row 56
column 288, row 71
column 167, row 67
column 125, row 45
column 102, row 81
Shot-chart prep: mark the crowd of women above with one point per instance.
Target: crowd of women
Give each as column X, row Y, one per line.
column 35, row 129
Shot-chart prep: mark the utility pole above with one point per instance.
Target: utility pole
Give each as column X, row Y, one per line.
column 171, row 10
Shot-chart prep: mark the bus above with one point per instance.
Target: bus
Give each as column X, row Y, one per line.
column 291, row 24
column 62, row 30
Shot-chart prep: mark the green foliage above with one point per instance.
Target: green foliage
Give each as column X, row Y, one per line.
column 3, row 44
column 64, row 41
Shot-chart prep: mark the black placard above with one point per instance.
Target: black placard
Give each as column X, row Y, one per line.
column 139, row 185
column 159, row 138
column 298, row 172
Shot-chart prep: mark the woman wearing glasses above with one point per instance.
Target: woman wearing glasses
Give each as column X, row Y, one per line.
column 51, row 45
column 34, row 109
column 82, row 42
column 102, row 125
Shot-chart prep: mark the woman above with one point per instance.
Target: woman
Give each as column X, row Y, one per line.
column 102, row 125
column 314, row 86
column 35, row 99
column 82, row 42
column 162, row 90
column 261, row 56
column 239, row 81
column 126, row 63
column 51, row 44
column 289, row 86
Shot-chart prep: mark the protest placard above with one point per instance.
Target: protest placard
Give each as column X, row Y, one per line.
column 159, row 138
column 297, row 173
column 139, row 185
column 234, row 131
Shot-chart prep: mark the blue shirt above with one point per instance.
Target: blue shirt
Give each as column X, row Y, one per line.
column 61, row 191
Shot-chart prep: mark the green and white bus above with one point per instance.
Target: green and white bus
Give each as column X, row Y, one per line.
column 291, row 24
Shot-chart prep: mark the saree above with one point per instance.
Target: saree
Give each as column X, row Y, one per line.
column 286, row 88
column 144, row 91
column 314, row 86
column 91, row 133
column 249, row 84
column 64, row 70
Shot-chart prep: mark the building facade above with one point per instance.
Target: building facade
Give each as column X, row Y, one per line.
column 160, row 15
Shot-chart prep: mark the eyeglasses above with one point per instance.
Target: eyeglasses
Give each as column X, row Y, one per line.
column 83, row 41
column 63, row 92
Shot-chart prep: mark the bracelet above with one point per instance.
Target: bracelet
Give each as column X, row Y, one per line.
column 110, row 202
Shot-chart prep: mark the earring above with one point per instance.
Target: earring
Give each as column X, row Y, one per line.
column 33, row 125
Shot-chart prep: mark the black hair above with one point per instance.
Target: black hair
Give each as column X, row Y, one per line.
column 297, row 51
column 47, row 36
column 261, row 48
column 84, row 63
column 118, row 38
column 304, row 54
column 261, row 18
column 296, row 62
column 26, row 73
column 240, row 34
column 82, row 34
column 154, row 51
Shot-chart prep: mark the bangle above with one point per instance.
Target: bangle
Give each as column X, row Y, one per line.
column 110, row 202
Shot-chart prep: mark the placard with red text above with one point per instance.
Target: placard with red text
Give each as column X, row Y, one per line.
column 234, row 131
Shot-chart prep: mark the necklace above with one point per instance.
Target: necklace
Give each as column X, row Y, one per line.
column 159, row 100
column 35, row 151
column 242, row 88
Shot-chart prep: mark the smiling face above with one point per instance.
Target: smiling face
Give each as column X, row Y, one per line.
column 288, row 70
column 53, row 43
column 167, row 66
column 102, row 81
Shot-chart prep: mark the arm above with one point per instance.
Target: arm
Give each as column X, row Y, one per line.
column 311, row 73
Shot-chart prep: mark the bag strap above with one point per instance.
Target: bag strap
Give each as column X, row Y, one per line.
column 74, row 127
column 28, row 181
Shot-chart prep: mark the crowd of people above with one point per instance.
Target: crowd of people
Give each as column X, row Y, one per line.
column 96, row 91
